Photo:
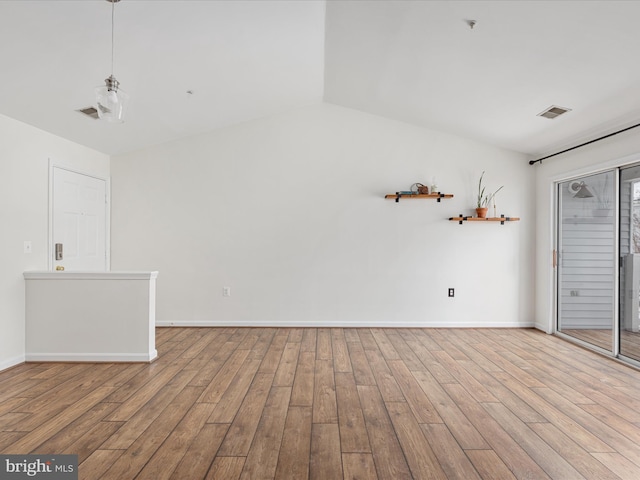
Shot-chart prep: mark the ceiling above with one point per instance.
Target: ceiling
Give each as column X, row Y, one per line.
column 414, row 61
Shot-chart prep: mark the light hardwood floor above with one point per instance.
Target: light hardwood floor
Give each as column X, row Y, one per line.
column 262, row 403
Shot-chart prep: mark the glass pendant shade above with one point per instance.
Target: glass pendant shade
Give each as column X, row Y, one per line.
column 112, row 101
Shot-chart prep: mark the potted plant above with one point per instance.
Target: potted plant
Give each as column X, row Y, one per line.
column 484, row 199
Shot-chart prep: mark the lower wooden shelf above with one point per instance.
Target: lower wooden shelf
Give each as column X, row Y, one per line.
column 500, row 219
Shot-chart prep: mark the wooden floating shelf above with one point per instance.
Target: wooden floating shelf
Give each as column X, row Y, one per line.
column 500, row 219
column 437, row 196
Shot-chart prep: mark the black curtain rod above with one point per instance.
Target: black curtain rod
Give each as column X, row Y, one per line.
column 532, row 162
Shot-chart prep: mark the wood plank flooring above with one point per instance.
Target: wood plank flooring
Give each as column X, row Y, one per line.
column 267, row 403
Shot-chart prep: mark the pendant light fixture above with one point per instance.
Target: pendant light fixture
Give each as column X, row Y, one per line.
column 112, row 101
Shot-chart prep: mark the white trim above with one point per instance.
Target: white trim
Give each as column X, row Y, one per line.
column 12, row 362
column 556, row 231
column 91, row 357
column 595, row 169
column 54, row 164
column 615, row 340
column 44, row 275
column 551, row 270
column 338, row 324
column 107, row 227
column 542, row 330
column 554, row 180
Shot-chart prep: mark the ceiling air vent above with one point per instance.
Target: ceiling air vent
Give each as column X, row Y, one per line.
column 553, row 112
column 90, row 112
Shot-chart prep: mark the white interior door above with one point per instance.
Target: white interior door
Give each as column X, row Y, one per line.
column 79, row 221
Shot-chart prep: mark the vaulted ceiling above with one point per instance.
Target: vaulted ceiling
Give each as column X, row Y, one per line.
column 415, row 61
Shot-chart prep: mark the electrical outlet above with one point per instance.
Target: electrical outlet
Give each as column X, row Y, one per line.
column 226, row 291
column 452, row 292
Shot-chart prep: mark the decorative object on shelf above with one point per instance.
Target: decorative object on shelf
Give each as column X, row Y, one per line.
column 434, row 184
column 461, row 218
column 437, row 195
column 111, row 100
column 419, row 190
column 423, row 189
column 484, row 199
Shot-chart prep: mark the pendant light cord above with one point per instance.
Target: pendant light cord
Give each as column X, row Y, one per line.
column 112, row 20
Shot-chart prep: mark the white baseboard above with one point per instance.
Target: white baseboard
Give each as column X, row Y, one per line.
column 92, row 357
column 337, row 324
column 12, row 362
column 543, row 328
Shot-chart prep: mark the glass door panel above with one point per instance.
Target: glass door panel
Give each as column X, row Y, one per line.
column 630, row 262
column 587, row 264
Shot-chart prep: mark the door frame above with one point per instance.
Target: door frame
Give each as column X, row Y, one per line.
column 50, row 247
column 557, row 231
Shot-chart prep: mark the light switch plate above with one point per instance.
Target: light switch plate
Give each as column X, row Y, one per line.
column 27, row 246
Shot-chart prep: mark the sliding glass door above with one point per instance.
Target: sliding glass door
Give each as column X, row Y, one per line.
column 629, row 325
column 586, row 260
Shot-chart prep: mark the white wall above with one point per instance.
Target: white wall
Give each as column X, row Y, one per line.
column 24, row 170
column 618, row 150
column 289, row 212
